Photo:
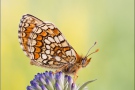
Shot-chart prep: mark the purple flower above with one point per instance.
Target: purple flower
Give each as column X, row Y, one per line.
column 58, row 81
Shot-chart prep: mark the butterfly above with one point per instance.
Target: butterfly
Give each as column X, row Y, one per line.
column 46, row 46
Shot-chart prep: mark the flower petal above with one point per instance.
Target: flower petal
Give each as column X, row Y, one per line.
column 58, row 87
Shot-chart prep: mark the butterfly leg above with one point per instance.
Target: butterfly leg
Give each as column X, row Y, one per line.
column 76, row 68
column 75, row 77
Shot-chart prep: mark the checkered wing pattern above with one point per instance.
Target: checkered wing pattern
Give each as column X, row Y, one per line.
column 44, row 44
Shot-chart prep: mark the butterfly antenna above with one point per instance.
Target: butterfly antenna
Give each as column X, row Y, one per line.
column 93, row 52
column 90, row 49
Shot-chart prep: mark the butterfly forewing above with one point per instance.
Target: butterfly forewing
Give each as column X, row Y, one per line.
column 44, row 43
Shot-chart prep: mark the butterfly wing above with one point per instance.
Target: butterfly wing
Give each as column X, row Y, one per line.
column 46, row 46
column 27, row 24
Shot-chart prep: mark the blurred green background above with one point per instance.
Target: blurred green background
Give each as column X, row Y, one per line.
column 109, row 22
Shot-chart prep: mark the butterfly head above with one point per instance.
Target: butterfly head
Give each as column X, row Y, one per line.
column 85, row 61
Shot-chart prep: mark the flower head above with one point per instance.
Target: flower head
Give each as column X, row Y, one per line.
column 50, row 81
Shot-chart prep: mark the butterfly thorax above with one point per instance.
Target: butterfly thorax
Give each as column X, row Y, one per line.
column 74, row 67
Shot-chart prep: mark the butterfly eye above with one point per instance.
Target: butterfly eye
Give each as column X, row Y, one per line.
column 83, row 62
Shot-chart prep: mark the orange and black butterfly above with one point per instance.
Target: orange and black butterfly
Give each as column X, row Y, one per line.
column 45, row 45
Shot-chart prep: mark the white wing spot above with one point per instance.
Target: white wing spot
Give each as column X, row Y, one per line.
column 47, row 51
column 39, row 30
column 68, row 53
column 57, row 58
column 34, row 36
column 23, row 29
column 32, row 43
column 45, row 27
column 31, row 49
column 26, row 25
column 20, row 40
column 49, row 57
column 60, row 38
column 50, row 62
column 58, row 51
column 52, row 45
column 52, row 52
column 19, row 34
column 56, row 39
column 22, row 25
column 23, row 20
column 31, row 56
column 23, row 34
column 73, row 52
column 45, row 61
column 47, row 46
column 47, row 41
column 44, row 56
column 51, row 39
column 51, row 27
column 64, row 44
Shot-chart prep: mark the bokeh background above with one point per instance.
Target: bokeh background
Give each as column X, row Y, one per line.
column 109, row 22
